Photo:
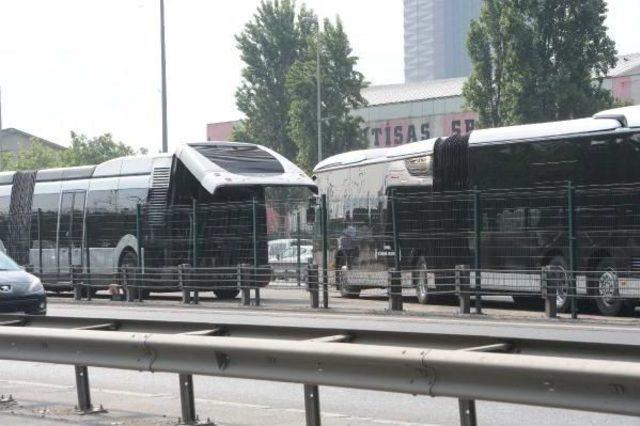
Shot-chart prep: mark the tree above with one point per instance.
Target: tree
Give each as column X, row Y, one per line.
column 95, row 150
column 83, row 151
column 341, row 93
column 538, row 60
column 269, row 44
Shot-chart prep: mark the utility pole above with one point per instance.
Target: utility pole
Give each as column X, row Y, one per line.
column 163, row 67
column 319, row 94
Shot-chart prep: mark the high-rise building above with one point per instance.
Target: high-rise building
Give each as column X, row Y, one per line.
column 435, row 34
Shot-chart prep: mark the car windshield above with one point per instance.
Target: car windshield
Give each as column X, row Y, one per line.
column 6, row 264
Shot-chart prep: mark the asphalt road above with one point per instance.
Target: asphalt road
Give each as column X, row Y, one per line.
column 45, row 394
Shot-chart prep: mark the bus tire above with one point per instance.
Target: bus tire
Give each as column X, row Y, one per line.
column 563, row 301
column 130, row 260
column 346, row 291
column 607, row 291
column 420, row 278
column 226, row 293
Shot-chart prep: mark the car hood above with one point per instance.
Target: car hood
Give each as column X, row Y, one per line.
column 19, row 282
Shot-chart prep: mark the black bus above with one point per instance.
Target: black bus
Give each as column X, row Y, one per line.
column 523, row 175
column 91, row 216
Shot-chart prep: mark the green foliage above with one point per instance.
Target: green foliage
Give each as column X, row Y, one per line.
column 538, row 60
column 278, row 91
column 269, row 44
column 341, row 87
column 95, row 150
column 83, row 151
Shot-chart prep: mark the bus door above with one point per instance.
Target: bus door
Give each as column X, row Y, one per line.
column 70, row 236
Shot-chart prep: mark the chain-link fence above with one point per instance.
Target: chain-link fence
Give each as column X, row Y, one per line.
column 581, row 245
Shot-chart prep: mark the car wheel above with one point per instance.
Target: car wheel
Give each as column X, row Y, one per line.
column 421, row 280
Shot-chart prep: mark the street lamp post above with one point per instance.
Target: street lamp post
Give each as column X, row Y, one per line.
column 163, row 66
column 318, row 94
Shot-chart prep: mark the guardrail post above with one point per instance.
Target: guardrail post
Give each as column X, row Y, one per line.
column 463, row 288
column 467, row 412
column 312, row 405
column 84, row 392
column 76, row 283
column 395, row 290
column 549, row 289
column 243, row 284
column 187, row 400
column 312, row 284
column 186, row 294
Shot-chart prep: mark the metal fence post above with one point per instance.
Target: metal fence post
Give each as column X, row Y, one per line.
column 467, row 412
column 243, row 283
column 463, row 288
column 395, row 290
column 572, row 249
column 140, row 237
column 76, row 283
column 186, row 293
column 325, row 251
column 312, row 284
column 298, row 279
column 477, row 229
column 395, row 293
column 254, row 220
column 39, row 223
column 549, row 292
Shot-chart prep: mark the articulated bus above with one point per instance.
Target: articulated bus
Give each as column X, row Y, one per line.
column 523, row 174
column 87, row 216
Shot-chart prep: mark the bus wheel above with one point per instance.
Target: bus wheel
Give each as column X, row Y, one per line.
column 130, row 260
column 561, row 277
column 608, row 298
column 347, row 291
column 226, row 293
column 421, row 280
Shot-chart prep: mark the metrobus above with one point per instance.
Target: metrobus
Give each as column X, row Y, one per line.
column 87, row 217
column 522, row 173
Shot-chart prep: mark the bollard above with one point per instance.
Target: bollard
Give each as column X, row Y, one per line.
column 312, row 284
column 395, row 290
column 463, row 288
column 549, row 286
column 186, row 294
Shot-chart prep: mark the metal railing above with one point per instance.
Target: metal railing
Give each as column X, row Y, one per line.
column 577, row 371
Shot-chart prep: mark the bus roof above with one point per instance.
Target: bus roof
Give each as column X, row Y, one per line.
column 376, row 155
column 219, row 164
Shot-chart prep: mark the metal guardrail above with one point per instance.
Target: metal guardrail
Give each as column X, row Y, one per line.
column 465, row 367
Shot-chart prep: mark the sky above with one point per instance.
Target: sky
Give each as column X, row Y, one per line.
column 93, row 66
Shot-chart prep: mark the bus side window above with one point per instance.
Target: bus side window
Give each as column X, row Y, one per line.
column 48, row 203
